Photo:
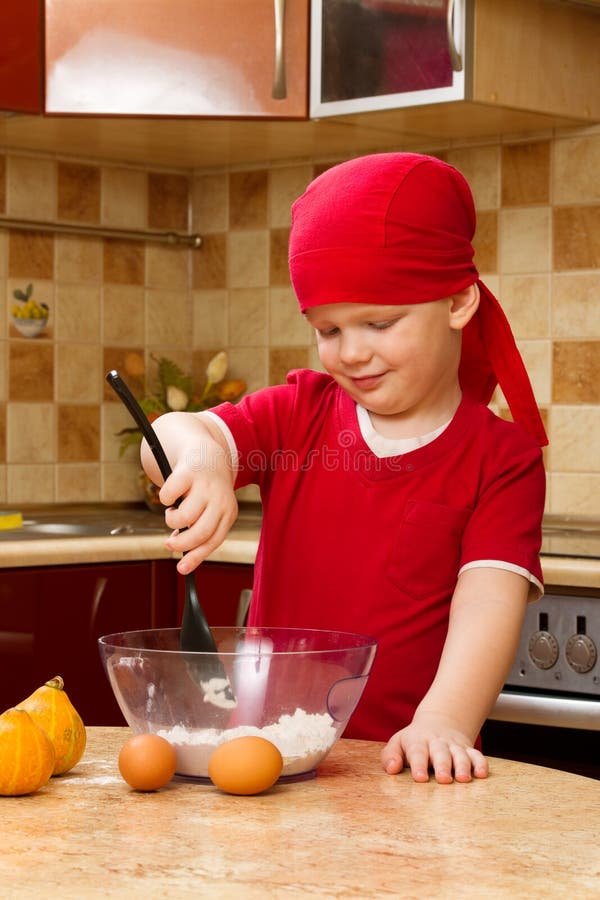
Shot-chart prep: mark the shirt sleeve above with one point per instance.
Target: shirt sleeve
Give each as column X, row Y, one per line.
column 505, row 527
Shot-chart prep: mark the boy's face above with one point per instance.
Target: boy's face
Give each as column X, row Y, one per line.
column 393, row 360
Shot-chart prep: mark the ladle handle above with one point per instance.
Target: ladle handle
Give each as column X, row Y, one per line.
column 141, row 420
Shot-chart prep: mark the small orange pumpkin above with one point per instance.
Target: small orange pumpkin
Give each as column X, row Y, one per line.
column 26, row 754
column 50, row 707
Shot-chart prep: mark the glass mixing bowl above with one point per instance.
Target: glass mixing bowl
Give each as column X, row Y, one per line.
column 296, row 687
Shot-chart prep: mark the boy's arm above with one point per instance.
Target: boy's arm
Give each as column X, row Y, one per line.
column 203, row 475
column 486, row 617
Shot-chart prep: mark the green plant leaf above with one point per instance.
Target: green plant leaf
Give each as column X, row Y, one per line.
column 169, row 373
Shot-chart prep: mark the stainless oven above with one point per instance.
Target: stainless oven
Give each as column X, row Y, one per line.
column 549, row 709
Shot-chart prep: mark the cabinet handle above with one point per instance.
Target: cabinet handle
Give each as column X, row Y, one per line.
column 455, row 57
column 279, row 91
column 98, row 591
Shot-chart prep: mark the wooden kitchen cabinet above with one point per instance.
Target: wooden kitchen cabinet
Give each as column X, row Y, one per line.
column 219, row 586
column 52, row 616
column 455, row 67
column 155, row 57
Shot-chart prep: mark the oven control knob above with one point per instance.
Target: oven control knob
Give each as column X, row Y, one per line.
column 543, row 649
column 581, row 653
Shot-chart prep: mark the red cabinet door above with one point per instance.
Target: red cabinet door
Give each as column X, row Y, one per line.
column 51, row 619
column 219, row 586
column 21, row 56
column 188, row 58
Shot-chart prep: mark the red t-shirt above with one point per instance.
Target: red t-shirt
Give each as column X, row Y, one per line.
column 354, row 542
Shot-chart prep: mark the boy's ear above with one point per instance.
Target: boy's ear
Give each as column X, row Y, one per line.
column 463, row 306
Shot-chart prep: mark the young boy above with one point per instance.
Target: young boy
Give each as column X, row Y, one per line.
column 395, row 502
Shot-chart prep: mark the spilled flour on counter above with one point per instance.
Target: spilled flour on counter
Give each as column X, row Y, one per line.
column 302, row 739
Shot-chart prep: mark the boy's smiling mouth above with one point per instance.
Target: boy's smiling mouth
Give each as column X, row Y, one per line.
column 367, row 382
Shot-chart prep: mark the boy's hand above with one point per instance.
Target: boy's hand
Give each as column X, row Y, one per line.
column 431, row 742
column 206, row 513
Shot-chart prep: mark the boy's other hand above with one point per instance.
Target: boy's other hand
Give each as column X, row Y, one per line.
column 431, row 743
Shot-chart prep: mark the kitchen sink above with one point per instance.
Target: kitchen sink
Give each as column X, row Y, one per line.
column 105, row 522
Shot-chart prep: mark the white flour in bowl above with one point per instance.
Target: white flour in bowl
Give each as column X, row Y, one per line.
column 302, row 739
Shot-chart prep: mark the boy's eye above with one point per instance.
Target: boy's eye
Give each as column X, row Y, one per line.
column 327, row 332
column 381, row 326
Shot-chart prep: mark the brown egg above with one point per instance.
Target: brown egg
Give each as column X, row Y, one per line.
column 245, row 765
column 147, row 762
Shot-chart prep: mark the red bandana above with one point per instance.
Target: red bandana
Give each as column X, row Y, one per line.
column 397, row 228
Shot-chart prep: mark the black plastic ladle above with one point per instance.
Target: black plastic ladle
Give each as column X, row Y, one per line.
column 196, row 636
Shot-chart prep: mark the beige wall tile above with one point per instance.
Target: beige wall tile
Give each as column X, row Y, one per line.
column 481, row 168
column 168, row 201
column 3, row 371
column 3, row 254
column 485, row 241
column 576, row 305
column 2, row 432
column 31, row 188
column 210, row 317
column 524, row 240
column 251, row 364
column 2, row 184
column 77, row 313
column 113, row 418
column 210, row 203
column 575, row 439
column 576, row 372
column 117, row 358
column 168, row 267
column 79, row 374
column 576, row 167
column 279, row 270
column 537, row 356
column 30, row 255
column 283, row 359
column 3, row 476
column 287, row 326
column 248, row 253
column 78, row 433
column 124, row 198
column 78, row 259
column 124, row 262
column 248, row 199
column 168, row 319
column 525, row 173
column 248, row 312
column 526, row 302
column 120, row 482
column 78, row 192
column 123, row 315
column 576, row 237
column 31, row 371
column 32, row 484
column 285, row 186
column 574, row 495
column 78, row 483
column 209, row 264
column 30, row 433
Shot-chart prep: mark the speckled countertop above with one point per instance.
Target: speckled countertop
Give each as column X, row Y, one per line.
column 352, row 832
column 239, row 547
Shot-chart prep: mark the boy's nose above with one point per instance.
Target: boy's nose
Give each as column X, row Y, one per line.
column 353, row 349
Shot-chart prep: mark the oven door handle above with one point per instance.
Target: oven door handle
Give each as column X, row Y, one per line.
column 539, row 709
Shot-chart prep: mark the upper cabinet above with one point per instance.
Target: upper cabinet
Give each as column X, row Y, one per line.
column 203, row 83
column 155, row 57
column 502, row 63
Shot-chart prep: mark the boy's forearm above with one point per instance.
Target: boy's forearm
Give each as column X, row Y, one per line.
column 485, row 623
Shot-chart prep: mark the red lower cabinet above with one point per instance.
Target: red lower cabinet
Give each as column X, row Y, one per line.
column 219, row 586
column 51, row 618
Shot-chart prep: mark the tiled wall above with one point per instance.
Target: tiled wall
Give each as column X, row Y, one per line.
column 537, row 246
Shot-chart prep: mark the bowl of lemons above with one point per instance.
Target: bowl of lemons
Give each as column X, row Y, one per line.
column 28, row 316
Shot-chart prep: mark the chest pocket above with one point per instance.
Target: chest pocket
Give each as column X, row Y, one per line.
column 426, row 553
